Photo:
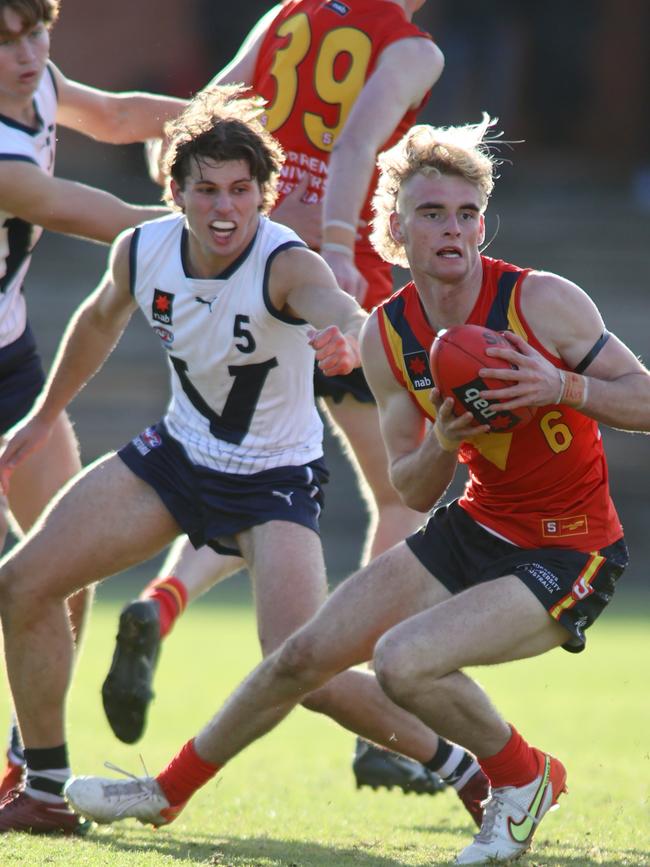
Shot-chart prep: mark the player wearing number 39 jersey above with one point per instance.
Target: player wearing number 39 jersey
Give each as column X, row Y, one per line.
column 311, row 66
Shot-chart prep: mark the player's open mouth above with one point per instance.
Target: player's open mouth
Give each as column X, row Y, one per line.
column 223, row 229
column 449, row 253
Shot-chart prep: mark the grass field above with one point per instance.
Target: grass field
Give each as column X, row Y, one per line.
column 290, row 801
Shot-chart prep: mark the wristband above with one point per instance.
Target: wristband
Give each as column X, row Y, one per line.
column 340, row 224
column 445, row 444
column 329, row 247
column 574, row 389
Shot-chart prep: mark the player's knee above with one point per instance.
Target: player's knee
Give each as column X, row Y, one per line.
column 395, row 669
column 296, row 661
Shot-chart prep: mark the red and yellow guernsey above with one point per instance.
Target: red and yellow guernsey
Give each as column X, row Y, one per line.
column 311, row 66
column 544, row 485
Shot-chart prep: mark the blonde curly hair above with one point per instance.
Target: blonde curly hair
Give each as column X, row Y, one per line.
column 461, row 151
column 223, row 123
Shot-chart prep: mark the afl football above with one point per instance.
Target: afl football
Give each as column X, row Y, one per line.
column 457, row 355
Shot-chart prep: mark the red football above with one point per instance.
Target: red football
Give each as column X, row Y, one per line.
column 457, row 355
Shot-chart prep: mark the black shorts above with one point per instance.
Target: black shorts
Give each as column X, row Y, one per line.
column 337, row 387
column 21, row 379
column 212, row 507
column 573, row 587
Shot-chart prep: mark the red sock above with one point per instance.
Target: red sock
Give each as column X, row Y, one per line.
column 186, row 773
column 514, row 765
column 171, row 596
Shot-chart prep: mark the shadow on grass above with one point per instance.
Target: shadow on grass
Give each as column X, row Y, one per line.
column 224, row 851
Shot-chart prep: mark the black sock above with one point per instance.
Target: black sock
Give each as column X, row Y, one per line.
column 47, row 772
column 454, row 764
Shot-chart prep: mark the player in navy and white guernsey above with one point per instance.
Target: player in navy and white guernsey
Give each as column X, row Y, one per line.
column 332, row 119
column 21, row 143
column 34, row 96
column 248, row 470
column 258, row 412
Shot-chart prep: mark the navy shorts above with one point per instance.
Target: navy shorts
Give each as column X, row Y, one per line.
column 337, row 387
column 21, row 379
column 212, row 507
column 573, row 587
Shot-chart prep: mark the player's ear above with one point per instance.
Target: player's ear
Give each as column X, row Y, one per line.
column 396, row 227
column 177, row 195
column 481, row 237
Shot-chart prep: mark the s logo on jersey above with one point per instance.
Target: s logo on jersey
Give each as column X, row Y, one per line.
column 162, row 306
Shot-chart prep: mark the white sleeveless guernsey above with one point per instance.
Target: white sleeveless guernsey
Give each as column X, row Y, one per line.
column 18, row 238
column 241, row 371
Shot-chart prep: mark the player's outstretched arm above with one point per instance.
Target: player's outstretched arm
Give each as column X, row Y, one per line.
column 27, row 192
column 302, row 285
column 420, row 469
column 406, row 71
column 117, row 118
column 89, row 338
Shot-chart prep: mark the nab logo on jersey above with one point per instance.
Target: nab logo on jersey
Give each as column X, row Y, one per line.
column 417, row 365
column 162, row 306
column 338, row 7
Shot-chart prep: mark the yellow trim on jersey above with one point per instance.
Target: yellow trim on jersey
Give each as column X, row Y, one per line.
column 513, row 318
column 422, row 396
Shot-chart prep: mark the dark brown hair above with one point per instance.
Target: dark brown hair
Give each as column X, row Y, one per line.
column 31, row 12
column 223, row 124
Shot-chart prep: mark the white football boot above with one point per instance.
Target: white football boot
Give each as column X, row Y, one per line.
column 513, row 813
column 106, row 800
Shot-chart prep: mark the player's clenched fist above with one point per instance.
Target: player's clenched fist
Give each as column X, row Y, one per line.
column 337, row 354
column 27, row 439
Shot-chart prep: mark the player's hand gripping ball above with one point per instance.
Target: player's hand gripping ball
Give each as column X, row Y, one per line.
column 457, row 355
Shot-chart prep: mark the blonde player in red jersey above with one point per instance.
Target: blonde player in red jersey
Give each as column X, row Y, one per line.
column 342, row 80
column 477, row 585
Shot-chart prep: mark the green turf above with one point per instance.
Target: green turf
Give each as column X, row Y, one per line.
column 290, row 799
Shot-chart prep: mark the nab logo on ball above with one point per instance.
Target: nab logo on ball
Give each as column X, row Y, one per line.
column 469, row 395
column 457, row 356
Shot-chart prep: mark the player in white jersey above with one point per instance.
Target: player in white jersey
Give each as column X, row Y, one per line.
column 34, row 97
column 228, row 323
column 223, row 165
column 401, row 61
